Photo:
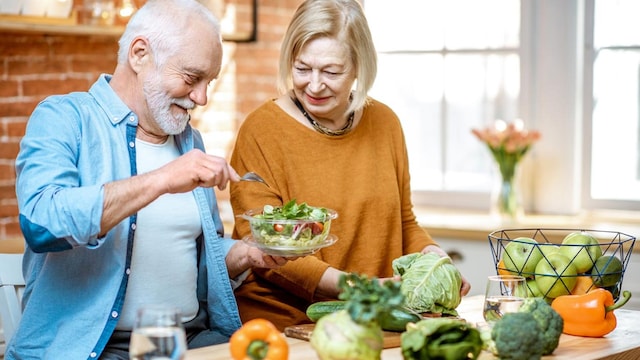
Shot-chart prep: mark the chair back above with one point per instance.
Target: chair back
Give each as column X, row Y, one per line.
column 11, row 289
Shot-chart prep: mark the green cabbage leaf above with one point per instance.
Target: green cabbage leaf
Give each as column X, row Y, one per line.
column 430, row 283
column 441, row 338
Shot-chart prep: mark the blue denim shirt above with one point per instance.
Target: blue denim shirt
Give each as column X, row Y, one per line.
column 75, row 281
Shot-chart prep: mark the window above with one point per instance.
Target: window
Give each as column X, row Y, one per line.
column 444, row 72
column 446, row 67
column 614, row 174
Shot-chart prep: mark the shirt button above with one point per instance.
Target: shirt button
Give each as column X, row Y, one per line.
column 132, row 144
column 114, row 314
column 128, row 271
column 133, row 226
column 132, row 118
column 93, row 354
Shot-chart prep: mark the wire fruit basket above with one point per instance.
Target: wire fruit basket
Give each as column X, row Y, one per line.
column 563, row 261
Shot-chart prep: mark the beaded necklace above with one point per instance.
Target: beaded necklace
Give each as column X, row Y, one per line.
column 319, row 127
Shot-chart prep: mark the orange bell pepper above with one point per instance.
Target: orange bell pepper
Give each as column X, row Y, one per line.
column 589, row 314
column 258, row 339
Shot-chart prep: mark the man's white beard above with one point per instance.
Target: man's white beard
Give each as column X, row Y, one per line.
column 160, row 106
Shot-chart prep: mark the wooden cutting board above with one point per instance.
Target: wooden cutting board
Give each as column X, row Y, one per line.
column 390, row 339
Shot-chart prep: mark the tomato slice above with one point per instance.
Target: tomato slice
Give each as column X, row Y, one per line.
column 317, row 228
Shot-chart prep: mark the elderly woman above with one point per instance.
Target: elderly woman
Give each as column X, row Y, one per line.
column 325, row 142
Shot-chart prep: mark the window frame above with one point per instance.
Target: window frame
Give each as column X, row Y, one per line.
column 588, row 202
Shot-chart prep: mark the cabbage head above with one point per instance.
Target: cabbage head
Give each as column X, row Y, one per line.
column 337, row 337
column 430, row 283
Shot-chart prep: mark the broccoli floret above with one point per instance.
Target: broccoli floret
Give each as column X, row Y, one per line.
column 517, row 336
column 549, row 321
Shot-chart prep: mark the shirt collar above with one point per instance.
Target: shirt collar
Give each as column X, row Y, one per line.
column 109, row 101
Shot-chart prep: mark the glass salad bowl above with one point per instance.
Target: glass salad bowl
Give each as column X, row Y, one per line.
column 290, row 230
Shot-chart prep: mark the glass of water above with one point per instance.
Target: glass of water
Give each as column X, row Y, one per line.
column 158, row 334
column 504, row 294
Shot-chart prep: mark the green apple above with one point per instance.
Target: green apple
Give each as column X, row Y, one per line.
column 521, row 256
column 548, row 249
column 582, row 248
column 531, row 291
column 555, row 275
column 607, row 271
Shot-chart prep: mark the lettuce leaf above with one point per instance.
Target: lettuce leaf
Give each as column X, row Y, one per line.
column 430, row 283
column 441, row 338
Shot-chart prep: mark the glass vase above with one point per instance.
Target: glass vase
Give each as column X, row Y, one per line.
column 506, row 197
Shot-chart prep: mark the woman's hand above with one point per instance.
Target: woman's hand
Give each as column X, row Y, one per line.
column 466, row 286
column 392, row 278
column 242, row 257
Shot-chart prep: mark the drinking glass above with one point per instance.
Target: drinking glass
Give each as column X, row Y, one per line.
column 504, row 294
column 158, row 334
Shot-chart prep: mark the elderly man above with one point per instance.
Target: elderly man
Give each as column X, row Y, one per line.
column 116, row 199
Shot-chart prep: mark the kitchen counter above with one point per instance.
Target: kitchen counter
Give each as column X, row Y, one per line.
column 477, row 225
column 621, row 344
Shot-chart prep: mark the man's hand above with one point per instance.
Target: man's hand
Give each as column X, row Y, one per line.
column 196, row 168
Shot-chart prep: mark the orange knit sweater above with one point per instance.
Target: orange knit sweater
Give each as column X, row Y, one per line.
column 363, row 175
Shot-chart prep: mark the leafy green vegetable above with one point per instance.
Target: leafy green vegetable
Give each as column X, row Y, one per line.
column 293, row 211
column 355, row 332
column 430, row 283
column 367, row 299
column 442, row 339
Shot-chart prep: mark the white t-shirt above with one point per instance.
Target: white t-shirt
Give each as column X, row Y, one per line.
column 164, row 259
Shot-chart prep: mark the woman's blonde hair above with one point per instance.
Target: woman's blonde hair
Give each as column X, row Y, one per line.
column 343, row 20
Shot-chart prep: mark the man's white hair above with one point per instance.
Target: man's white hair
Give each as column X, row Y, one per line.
column 165, row 24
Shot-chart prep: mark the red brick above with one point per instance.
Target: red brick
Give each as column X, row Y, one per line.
column 8, row 88
column 8, row 150
column 50, row 87
column 7, row 210
column 7, row 168
column 16, row 128
column 24, row 46
column 7, row 191
column 94, row 65
column 87, row 45
column 37, row 65
column 18, row 108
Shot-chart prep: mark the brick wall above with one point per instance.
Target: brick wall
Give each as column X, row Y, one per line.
column 34, row 65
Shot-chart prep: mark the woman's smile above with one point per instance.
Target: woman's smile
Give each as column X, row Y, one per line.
column 312, row 100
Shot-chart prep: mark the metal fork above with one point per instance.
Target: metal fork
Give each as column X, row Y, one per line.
column 251, row 176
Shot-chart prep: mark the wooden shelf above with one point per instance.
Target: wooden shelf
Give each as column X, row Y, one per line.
column 54, row 26
column 71, row 26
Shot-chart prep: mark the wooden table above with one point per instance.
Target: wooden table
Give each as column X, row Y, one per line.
column 621, row 344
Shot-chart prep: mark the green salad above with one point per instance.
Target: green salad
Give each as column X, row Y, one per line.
column 293, row 224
